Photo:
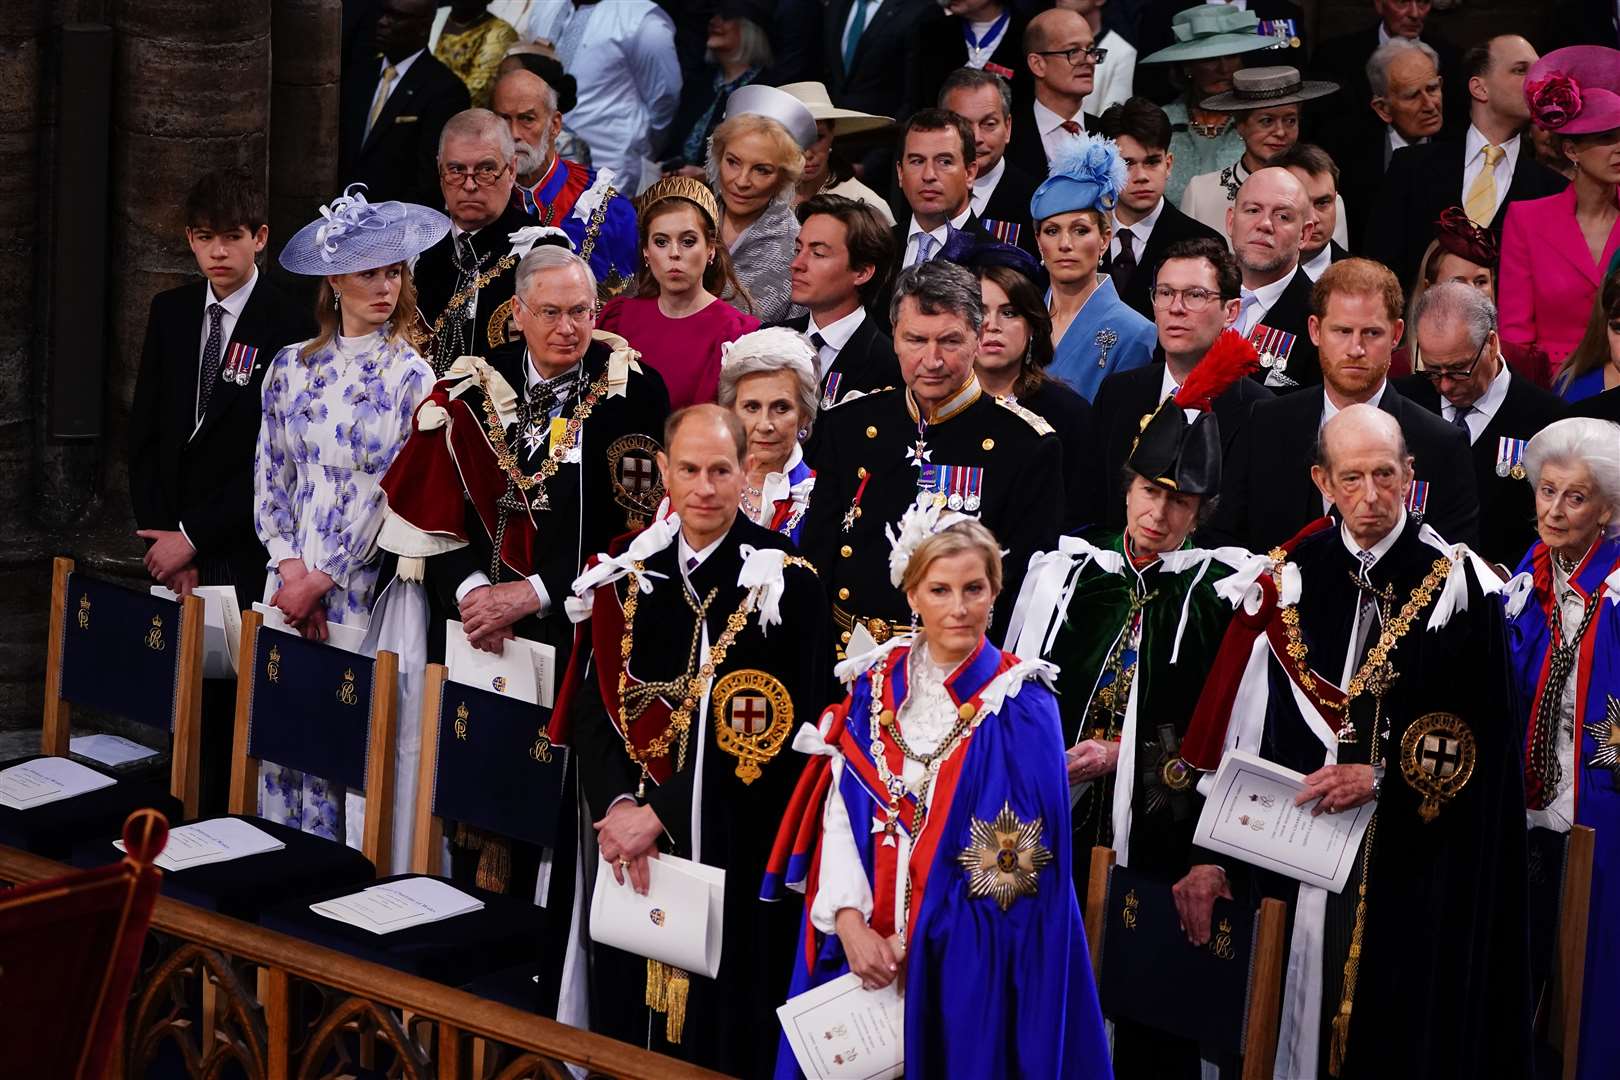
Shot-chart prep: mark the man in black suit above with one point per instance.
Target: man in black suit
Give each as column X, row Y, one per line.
column 1060, row 51
column 1146, row 226
column 1424, row 180
column 1318, row 174
column 982, row 35
column 842, row 260
column 1266, row 224
column 474, row 264
column 1467, row 383
column 1407, row 110
column 194, row 424
column 393, row 108
column 1266, row 491
column 1344, row 59
column 870, row 49
column 1200, row 280
column 1001, row 190
column 935, row 172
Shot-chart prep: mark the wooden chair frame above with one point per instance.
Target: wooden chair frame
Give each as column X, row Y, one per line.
column 427, row 839
column 377, row 833
column 186, row 724
column 1265, row 971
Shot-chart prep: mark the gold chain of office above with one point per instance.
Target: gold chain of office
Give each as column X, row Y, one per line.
column 507, row 458
column 1370, row 674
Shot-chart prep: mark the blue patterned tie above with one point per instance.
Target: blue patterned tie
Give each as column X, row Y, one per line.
column 925, row 249
column 210, row 358
column 856, row 26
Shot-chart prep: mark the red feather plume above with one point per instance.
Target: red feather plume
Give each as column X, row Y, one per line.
column 1228, row 360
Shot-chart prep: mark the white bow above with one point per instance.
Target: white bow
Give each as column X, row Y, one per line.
column 762, row 573
column 610, row 568
column 524, row 239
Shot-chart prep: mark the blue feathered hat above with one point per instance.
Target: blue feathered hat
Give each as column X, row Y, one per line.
column 1088, row 177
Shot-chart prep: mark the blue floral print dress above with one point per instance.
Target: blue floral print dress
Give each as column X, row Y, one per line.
column 332, row 424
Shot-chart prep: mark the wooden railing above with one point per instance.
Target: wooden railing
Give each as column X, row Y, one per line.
column 225, row 989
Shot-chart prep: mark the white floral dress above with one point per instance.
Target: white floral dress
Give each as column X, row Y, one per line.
column 332, row 424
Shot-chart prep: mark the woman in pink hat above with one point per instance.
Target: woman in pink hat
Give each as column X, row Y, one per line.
column 1554, row 250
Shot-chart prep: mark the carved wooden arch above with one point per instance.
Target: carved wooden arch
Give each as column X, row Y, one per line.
column 533, row 1067
column 368, row 1019
column 240, row 1021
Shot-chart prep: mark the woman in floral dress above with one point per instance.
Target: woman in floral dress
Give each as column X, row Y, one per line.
column 337, row 408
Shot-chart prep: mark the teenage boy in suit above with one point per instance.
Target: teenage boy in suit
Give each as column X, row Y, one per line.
column 194, row 423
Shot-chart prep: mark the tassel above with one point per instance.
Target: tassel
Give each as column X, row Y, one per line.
column 1352, row 963
column 657, row 986
column 667, row 988
column 675, row 1022
column 494, row 864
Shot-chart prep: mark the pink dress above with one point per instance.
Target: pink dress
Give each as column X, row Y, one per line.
column 686, row 352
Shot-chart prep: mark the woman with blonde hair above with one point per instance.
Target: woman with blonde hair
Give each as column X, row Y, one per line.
column 935, row 815
column 756, row 157
column 337, row 409
column 676, row 319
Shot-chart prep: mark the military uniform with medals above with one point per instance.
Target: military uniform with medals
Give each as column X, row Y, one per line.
column 687, row 703
column 1401, row 665
column 978, row 454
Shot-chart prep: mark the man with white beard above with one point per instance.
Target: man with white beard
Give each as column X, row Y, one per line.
column 584, row 203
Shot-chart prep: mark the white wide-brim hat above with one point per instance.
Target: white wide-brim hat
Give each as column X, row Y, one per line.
column 844, row 121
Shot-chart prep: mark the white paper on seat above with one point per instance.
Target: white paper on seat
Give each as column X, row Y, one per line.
column 678, row 922
column 222, row 627
column 525, row 669
column 109, row 749
column 397, row 905
column 841, row 1030
column 213, row 841
column 346, row 636
column 47, row 780
column 1250, row 815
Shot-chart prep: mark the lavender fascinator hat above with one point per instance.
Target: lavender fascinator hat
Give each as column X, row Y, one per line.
column 353, row 235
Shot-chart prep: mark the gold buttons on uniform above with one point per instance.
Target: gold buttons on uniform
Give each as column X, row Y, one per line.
column 871, row 433
column 843, row 594
column 844, row 637
column 989, row 444
column 861, row 472
column 966, row 711
column 846, row 551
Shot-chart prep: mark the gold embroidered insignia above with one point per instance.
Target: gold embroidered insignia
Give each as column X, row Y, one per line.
column 84, row 612
column 1006, row 857
column 1437, row 758
column 1607, row 734
column 637, row 487
column 346, row 692
column 154, row 635
column 753, row 713
column 501, row 327
column 462, row 716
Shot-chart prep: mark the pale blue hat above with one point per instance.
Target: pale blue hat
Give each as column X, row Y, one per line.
column 1088, row 177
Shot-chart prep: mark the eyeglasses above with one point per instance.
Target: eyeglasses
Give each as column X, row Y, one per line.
column 1195, row 299
column 1090, row 52
column 483, row 174
column 550, row 314
column 1434, row 375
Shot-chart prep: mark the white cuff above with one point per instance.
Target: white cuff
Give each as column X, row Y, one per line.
column 181, row 526
column 539, row 588
column 280, row 550
column 475, row 580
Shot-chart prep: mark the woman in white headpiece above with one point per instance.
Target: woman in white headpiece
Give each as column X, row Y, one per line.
column 768, row 378
column 930, row 831
column 337, row 408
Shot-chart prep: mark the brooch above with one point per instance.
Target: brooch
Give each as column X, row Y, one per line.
column 1006, row 857
column 752, row 715
column 1437, row 758
column 1106, row 339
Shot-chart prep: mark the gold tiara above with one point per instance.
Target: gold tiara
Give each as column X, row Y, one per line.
column 689, row 188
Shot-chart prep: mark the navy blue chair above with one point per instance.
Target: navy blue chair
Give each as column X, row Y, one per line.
column 321, row 710
column 128, row 654
column 487, row 763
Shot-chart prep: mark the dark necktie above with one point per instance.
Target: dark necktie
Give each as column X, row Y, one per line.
column 1072, row 127
column 818, row 341
column 1125, row 262
column 210, row 358
column 1460, row 414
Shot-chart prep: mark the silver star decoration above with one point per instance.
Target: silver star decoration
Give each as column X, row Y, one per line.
column 919, row 453
column 534, row 437
column 1606, row 733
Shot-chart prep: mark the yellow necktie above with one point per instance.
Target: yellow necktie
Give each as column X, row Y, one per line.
column 1480, row 202
column 382, row 97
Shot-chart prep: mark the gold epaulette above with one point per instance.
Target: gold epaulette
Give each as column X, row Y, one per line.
column 1032, row 419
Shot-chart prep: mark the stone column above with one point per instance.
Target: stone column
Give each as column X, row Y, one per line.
column 305, row 37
